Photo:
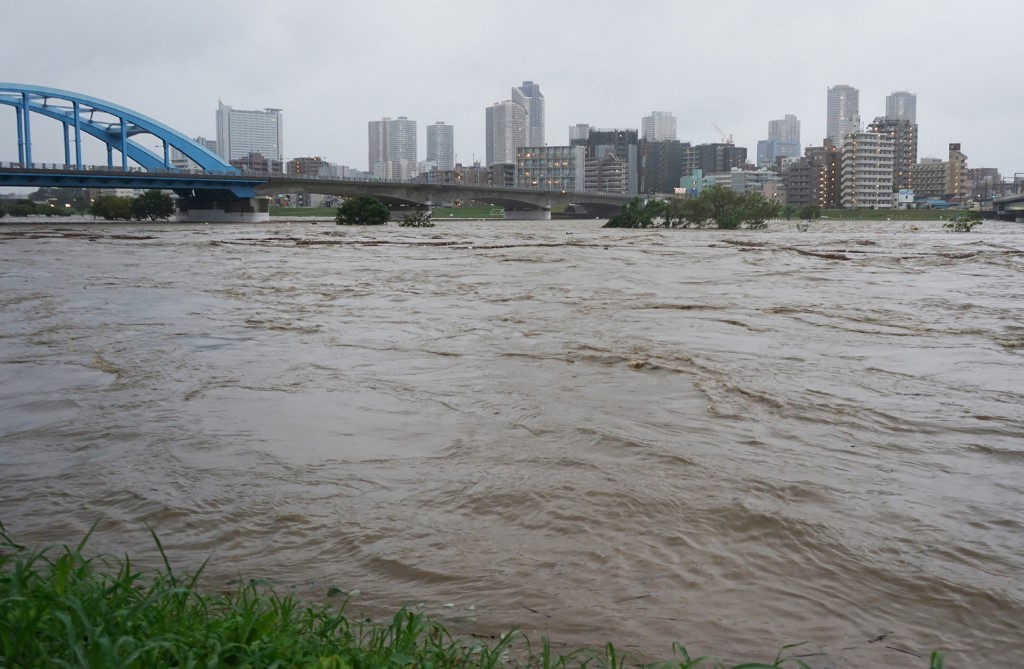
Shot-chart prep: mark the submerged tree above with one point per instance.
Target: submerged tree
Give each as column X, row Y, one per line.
column 636, row 215
column 964, row 221
column 419, row 219
column 152, row 204
column 112, row 207
column 362, row 210
column 722, row 208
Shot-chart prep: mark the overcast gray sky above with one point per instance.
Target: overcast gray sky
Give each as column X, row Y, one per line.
column 333, row 66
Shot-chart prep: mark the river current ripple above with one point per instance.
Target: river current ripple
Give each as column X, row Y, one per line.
column 734, row 440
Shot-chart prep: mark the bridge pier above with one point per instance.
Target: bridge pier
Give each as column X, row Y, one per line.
column 245, row 210
column 527, row 214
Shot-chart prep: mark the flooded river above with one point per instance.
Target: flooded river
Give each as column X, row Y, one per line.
column 734, row 440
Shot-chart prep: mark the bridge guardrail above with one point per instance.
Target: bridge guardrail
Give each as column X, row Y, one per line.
column 253, row 174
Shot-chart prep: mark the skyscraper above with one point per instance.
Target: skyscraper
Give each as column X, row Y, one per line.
column 392, row 141
column 507, row 130
column 402, row 140
column 843, row 113
column 901, row 105
column 241, row 132
column 532, row 100
column 441, row 145
column 785, row 129
column 783, row 141
column 378, row 142
column 658, row 127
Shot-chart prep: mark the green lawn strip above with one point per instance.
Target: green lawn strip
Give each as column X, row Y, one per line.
column 59, row 608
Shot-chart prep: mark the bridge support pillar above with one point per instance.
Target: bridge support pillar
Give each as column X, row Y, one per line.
column 527, row 214
column 246, row 210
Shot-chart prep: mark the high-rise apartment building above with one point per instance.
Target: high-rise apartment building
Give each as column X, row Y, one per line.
column 866, row 171
column 378, row 143
column 901, row 105
column 613, row 160
column 241, row 132
column 402, row 139
column 507, row 130
column 814, row 179
column 658, row 127
column 785, row 129
column 392, row 147
column 903, row 133
column 661, row 165
column 441, row 145
column 532, row 100
column 783, row 142
column 942, row 178
column 843, row 113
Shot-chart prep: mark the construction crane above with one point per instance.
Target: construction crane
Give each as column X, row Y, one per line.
column 727, row 140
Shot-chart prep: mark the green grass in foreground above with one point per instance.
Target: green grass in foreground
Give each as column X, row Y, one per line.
column 61, row 609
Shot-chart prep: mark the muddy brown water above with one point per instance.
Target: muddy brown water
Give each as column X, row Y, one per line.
column 733, row 440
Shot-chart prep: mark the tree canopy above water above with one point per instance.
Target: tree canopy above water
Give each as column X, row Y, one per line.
column 715, row 207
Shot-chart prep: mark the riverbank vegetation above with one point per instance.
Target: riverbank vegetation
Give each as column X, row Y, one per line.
column 150, row 204
column 59, row 608
column 715, row 207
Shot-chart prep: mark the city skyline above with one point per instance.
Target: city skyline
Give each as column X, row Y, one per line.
column 327, row 100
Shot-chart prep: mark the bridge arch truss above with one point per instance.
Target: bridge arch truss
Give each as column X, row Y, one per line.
column 112, row 124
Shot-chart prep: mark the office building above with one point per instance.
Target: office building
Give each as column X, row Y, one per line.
column 241, row 132
column 843, row 113
column 182, row 162
column 561, row 168
column 866, row 171
column 441, row 146
column 532, row 100
column 770, row 150
column 579, row 131
column 714, row 158
column 507, row 130
column 901, row 105
column 658, row 127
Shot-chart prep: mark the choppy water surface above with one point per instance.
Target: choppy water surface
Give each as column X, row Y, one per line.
column 731, row 440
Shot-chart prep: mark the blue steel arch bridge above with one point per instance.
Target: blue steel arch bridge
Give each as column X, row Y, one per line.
column 216, row 190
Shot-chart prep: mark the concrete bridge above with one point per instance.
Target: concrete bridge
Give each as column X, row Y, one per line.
column 1009, row 208
column 217, row 190
column 517, row 203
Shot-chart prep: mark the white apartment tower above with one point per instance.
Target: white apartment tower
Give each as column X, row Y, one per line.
column 866, row 171
column 901, row 105
column 241, row 132
column 843, row 113
column 658, row 127
column 441, row 145
column 532, row 100
column 507, row 130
